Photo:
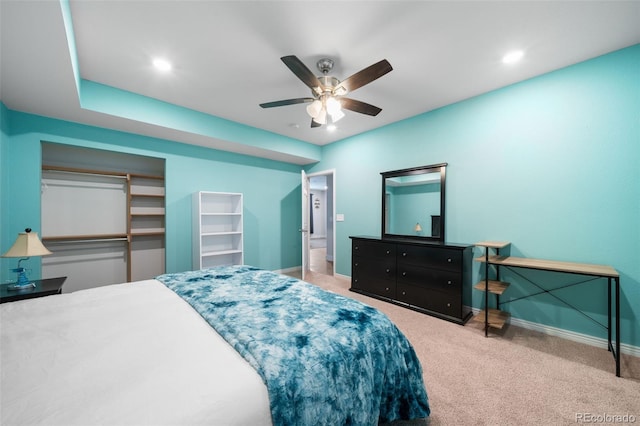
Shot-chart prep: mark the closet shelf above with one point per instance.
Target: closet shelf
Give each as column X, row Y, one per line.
column 148, row 195
column 158, row 232
column 69, row 238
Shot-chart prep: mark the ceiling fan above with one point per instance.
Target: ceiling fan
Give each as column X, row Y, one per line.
column 328, row 93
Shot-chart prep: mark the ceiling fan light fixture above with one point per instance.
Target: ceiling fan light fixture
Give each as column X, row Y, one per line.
column 333, row 105
column 336, row 115
column 314, row 108
column 321, row 118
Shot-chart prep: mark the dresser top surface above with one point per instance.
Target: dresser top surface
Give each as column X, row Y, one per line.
column 411, row 241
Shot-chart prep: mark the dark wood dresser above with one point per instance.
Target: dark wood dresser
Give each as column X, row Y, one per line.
column 429, row 277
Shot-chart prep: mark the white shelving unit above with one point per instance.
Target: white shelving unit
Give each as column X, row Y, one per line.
column 217, row 229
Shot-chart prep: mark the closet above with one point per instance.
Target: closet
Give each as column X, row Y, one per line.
column 102, row 216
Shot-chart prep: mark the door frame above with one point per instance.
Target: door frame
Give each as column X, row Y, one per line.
column 331, row 215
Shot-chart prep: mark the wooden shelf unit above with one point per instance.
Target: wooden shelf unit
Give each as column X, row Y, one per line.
column 145, row 225
column 491, row 317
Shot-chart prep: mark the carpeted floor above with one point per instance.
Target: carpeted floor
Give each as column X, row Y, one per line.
column 515, row 377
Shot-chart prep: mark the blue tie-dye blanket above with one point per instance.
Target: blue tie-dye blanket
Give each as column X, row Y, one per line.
column 326, row 359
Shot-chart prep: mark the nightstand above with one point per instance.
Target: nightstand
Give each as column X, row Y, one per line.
column 44, row 287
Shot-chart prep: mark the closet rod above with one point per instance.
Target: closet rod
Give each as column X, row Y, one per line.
column 79, row 240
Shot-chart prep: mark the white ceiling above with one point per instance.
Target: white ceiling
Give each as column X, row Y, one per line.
column 226, row 55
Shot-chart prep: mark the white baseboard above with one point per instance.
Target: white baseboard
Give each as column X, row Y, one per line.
column 569, row 335
column 288, row 270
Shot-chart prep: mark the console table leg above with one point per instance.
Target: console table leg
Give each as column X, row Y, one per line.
column 617, row 326
column 609, row 325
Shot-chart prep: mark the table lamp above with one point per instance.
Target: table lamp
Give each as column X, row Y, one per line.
column 27, row 244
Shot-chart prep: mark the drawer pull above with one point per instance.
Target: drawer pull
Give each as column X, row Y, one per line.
column 404, row 274
column 387, row 289
column 448, row 305
column 356, row 264
column 388, row 252
column 404, row 293
column 449, row 260
column 449, row 282
column 404, row 254
column 387, row 270
column 356, row 247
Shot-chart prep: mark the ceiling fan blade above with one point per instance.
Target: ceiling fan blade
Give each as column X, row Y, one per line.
column 314, row 123
column 359, row 106
column 301, row 71
column 286, row 102
column 365, row 76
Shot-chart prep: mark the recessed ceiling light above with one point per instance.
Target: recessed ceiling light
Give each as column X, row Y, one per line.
column 331, row 128
column 512, row 57
column 162, row 64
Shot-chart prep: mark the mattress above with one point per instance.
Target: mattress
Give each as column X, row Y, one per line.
column 122, row 354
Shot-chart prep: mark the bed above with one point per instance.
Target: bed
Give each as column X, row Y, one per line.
column 232, row 345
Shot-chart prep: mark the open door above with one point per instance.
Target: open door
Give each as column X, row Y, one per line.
column 304, row 230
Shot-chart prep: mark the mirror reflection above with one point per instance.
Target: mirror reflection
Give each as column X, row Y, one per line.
column 413, row 203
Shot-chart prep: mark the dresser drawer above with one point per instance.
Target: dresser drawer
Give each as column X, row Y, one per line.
column 371, row 249
column 435, row 279
column 430, row 257
column 442, row 302
column 381, row 283
column 361, row 269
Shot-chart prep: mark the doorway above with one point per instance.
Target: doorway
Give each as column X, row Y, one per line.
column 321, row 222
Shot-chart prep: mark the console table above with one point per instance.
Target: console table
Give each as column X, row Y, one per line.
column 586, row 269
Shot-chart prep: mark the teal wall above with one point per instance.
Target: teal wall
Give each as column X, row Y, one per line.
column 271, row 189
column 551, row 164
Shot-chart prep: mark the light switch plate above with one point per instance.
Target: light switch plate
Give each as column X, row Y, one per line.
column 339, row 217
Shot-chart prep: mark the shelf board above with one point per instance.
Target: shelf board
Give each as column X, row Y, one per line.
column 220, row 253
column 146, row 233
column 495, row 287
column 147, row 214
column 83, row 237
column 493, row 244
column 553, row 265
column 215, row 234
column 148, row 195
column 497, row 319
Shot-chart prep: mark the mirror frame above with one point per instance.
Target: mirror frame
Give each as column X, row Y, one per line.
column 433, row 168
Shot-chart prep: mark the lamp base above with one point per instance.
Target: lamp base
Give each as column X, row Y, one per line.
column 23, row 282
column 20, row 287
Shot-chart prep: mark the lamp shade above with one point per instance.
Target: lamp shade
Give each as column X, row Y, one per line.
column 27, row 244
column 418, row 228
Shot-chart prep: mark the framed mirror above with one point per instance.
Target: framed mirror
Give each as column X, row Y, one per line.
column 413, row 202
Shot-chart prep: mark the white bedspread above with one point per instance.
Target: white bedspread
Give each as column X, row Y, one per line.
column 126, row 354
